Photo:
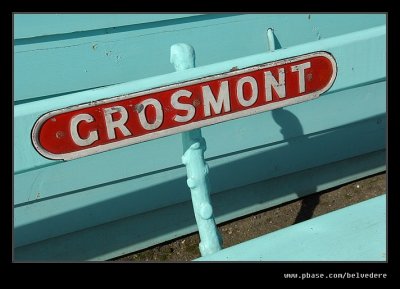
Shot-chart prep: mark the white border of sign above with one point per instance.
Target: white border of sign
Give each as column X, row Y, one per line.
column 182, row 128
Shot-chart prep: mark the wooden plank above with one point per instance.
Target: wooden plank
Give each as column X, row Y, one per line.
column 36, row 25
column 90, row 61
column 347, row 51
column 133, row 233
column 84, row 207
column 354, row 233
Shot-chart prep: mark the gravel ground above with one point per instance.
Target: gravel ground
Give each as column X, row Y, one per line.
column 258, row 224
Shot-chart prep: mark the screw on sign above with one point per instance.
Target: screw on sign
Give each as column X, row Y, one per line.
column 123, row 120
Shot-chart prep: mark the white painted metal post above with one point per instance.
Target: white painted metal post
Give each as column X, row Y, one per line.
column 194, row 146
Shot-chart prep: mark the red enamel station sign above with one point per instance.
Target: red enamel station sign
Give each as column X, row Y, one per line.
column 119, row 121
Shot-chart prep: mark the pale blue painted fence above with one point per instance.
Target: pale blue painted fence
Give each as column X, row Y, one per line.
column 115, row 202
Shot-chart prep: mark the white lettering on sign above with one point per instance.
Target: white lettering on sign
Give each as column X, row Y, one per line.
column 89, row 128
column 254, row 91
column 182, row 106
column 270, row 82
column 93, row 136
column 113, row 124
column 300, row 68
column 159, row 114
column 218, row 104
column 222, row 99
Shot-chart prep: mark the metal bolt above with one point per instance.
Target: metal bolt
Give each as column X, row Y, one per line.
column 60, row 134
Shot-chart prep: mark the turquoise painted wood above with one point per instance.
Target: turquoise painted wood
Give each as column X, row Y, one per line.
column 88, row 60
column 82, row 200
column 118, row 238
column 40, row 25
column 345, row 49
column 354, row 233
